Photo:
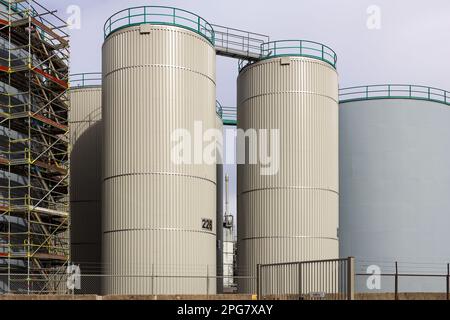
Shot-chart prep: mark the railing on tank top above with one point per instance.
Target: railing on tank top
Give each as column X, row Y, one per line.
column 394, row 91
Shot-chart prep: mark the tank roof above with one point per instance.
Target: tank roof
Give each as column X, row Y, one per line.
column 159, row 15
column 394, row 91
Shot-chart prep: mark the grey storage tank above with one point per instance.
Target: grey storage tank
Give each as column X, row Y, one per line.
column 291, row 215
column 395, row 184
column 85, row 177
column 159, row 228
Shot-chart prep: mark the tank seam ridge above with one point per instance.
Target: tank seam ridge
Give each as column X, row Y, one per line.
column 157, row 173
column 159, row 65
column 289, row 237
column 290, row 187
column 158, row 229
column 85, row 121
column 87, row 242
column 94, row 87
column 283, row 92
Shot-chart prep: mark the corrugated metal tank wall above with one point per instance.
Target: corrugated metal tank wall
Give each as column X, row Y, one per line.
column 293, row 215
column 395, row 186
column 219, row 218
column 86, row 182
column 157, row 79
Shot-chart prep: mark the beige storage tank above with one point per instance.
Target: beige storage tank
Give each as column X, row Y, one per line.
column 85, row 177
column 291, row 215
column 159, row 228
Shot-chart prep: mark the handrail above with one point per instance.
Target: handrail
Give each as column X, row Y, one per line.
column 88, row 79
column 302, row 48
column 394, row 91
column 219, row 109
column 159, row 15
column 241, row 43
column 229, row 115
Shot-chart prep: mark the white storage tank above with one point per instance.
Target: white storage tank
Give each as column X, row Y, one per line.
column 159, row 228
column 85, row 177
column 292, row 215
column 395, row 184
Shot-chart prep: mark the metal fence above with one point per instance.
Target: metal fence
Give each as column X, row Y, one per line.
column 309, row 280
column 94, row 284
column 400, row 278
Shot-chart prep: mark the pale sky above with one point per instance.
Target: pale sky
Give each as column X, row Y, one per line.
column 411, row 47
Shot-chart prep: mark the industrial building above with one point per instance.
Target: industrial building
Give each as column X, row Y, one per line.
column 229, row 244
column 219, row 205
column 34, row 152
column 87, row 175
column 395, row 181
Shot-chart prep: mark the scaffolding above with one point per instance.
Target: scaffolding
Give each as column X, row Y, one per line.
column 34, row 149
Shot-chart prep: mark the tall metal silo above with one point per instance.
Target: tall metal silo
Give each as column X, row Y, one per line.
column 291, row 215
column 219, row 197
column 85, row 177
column 395, row 184
column 159, row 228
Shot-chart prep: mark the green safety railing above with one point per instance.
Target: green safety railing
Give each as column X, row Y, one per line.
column 19, row 8
column 394, row 91
column 159, row 15
column 90, row 79
column 301, row 48
column 229, row 116
column 219, row 109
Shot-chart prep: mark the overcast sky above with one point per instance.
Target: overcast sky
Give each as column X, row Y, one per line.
column 412, row 46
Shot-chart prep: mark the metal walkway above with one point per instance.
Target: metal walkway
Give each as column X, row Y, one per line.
column 239, row 44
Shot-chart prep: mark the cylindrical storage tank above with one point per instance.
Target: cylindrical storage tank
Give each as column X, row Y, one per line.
column 292, row 214
column 159, row 228
column 219, row 197
column 85, row 177
column 395, row 185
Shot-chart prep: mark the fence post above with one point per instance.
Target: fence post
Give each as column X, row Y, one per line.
column 351, row 278
column 153, row 278
column 300, row 284
column 396, row 280
column 258, row 280
column 448, row 281
column 207, row 280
